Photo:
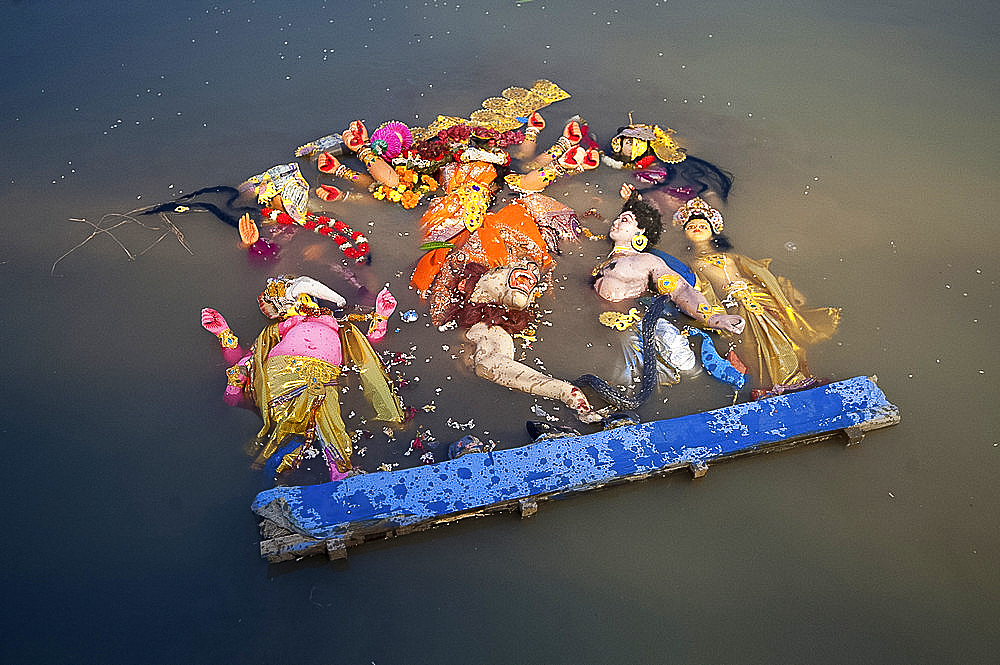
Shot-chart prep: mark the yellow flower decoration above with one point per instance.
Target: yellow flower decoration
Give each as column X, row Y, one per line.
column 410, row 190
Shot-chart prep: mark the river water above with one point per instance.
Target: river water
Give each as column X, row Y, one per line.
column 863, row 140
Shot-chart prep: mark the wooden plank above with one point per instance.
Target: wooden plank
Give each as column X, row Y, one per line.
column 328, row 518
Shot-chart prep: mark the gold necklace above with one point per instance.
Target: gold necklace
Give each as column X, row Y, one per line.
column 617, row 252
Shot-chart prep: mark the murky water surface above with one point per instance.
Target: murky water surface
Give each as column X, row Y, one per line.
column 863, row 140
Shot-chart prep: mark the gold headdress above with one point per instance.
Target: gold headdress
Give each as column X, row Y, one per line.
column 284, row 180
column 509, row 111
column 697, row 207
column 285, row 296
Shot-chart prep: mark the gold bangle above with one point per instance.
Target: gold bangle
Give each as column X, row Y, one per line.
column 235, row 376
column 706, row 311
column 346, row 173
column 227, row 339
column 561, row 146
column 552, row 171
column 376, row 319
column 367, row 155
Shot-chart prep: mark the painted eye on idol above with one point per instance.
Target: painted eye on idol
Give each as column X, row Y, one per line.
column 697, row 229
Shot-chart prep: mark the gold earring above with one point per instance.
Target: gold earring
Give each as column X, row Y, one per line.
column 639, row 242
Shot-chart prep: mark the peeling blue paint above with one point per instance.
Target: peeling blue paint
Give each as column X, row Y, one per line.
column 478, row 480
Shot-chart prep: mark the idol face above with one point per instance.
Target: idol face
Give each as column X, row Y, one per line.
column 523, row 280
column 514, row 287
column 624, row 228
column 622, row 146
column 698, row 230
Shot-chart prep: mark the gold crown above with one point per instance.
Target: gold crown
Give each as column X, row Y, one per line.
column 697, row 207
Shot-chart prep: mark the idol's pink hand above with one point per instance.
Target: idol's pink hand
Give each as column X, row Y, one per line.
column 355, row 136
column 233, row 395
column 385, row 303
column 212, row 321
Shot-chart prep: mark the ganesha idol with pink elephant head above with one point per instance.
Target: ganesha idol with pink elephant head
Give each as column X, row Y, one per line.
column 290, row 372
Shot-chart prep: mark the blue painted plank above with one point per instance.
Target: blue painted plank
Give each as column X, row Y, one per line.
column 475, row 481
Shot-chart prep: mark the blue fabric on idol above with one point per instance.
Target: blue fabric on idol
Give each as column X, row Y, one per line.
column 675, row 264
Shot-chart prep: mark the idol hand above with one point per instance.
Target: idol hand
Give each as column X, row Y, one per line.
column 728, row 322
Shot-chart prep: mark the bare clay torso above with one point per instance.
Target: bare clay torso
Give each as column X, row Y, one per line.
column 627, row 276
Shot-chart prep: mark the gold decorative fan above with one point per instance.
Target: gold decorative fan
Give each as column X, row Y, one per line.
column 503, row 113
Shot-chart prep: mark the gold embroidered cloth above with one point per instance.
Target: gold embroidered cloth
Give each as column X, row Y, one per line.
column 772, row 345
column 298, row 395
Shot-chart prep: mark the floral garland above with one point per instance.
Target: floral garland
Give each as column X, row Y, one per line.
column 448, row 144
column 463, row 133
column 323, row 225
column 412, row 187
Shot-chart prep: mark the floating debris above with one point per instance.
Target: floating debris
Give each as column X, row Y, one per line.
column 409, row 316
column 467, row 444
column 527, row 336
column 394, row 358
column 416, row 444
column 452, row 423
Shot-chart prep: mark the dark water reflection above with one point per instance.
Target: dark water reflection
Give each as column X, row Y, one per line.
column 864, row 144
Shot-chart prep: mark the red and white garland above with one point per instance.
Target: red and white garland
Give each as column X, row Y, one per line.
column 323, row 225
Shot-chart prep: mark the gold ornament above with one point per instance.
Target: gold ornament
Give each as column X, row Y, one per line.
column 227, row 339
column 620, row 321
column 504, row 113
column 639, row 242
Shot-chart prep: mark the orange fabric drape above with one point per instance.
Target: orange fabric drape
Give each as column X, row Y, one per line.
column 510, row 227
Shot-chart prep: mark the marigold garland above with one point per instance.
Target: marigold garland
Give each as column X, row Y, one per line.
column 412, row 187
column 337, row 230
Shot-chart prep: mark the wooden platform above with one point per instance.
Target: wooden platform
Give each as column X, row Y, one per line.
column 328, row 518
